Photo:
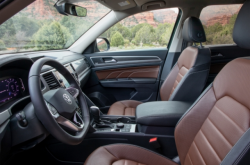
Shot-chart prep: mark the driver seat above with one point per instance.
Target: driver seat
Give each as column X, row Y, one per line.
column 215, row 130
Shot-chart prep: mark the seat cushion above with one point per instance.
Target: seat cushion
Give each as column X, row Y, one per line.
column 124, row 154
column 124, row 108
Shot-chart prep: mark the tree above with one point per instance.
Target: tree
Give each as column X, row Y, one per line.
column 7, row 27
column 161, row 29
column 52, row 36
column 27, row 25
column 135, row 29
column 165, row 37
column 146, row 35
column 20, row 41
column 2, row 45
column 117, row 40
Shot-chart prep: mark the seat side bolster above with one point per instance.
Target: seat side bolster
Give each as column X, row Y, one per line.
column 168, row 84
column 239, row 150
column 192, row 84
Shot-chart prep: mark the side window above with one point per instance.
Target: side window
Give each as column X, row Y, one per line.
column 218, row 22
column 142, row 31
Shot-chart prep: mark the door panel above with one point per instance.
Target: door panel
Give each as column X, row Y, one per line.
column 117, row 76
column 131, row 72
column 221, row 55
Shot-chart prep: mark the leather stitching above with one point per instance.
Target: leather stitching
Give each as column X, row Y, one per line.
column 229, row 118
column 219, row 131
column 190, row 159
column 236, row 144
column 199, row 152
column 210, row 144
column 242, row 154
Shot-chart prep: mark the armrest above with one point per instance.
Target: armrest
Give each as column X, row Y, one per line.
column 161, row 113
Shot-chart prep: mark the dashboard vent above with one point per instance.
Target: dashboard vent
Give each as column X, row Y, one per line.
column 51, row 80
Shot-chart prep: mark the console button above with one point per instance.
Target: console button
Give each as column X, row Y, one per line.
column 119, row 125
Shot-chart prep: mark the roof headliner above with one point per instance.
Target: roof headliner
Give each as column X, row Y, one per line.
column 113, row 4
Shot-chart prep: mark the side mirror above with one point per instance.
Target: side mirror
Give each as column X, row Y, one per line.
column 71, row 9
column 102, row 44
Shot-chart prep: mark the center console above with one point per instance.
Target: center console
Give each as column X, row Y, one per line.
column 152, row 128
column 159, row 118
column 104, row 123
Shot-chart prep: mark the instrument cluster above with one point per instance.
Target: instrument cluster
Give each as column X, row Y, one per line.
column 10, row 88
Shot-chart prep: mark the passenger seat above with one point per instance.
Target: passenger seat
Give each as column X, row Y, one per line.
column 187, row 78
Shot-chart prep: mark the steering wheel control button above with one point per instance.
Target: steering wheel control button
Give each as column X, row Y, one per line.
column 119, row 125
column 73, row 91
column 52, row 110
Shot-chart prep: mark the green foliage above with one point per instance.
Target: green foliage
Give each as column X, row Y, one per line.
column 52, row 36
column 2, row 45
column 81, row 11
column 145, row 35
column 135, row 29
column 141, row 35
column 161, row 30
column 117, row 40
column 218, row 34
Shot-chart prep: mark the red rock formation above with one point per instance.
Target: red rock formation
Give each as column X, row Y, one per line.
column 217, row 13
column 165, row 16
column 153, row 18
column 224, row 19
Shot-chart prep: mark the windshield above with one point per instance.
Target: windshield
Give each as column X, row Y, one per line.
column 40, row 27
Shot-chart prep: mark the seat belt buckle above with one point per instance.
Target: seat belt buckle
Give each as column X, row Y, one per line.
column 154, row 143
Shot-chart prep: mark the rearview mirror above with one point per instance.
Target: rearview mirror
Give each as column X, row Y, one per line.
column 71, row 9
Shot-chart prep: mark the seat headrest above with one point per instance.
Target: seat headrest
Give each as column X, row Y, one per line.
column 193, row 30
column 241, row 32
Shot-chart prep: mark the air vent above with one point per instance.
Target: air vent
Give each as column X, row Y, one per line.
column 51, row 80
column 86, row 62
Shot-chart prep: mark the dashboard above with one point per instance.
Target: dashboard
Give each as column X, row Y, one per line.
column 14, row 89
column 15, row 102
column 14, row 80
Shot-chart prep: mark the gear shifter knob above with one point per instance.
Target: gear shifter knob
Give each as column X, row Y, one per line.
column 95, row 112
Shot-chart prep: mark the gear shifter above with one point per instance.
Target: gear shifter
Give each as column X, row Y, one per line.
column 96, row 113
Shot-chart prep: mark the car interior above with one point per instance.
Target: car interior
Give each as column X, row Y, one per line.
column 125, row 82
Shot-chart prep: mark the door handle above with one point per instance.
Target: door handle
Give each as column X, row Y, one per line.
column 110, row 61
column 218, row 55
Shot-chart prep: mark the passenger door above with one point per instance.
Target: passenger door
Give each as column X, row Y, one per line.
column 131, row 69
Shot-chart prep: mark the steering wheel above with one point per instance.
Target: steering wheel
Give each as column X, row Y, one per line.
column 63, row 112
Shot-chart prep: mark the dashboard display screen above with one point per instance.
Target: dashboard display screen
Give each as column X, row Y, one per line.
column 10, row 88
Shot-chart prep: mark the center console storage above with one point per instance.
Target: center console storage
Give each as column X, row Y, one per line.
column 153, row 120
column 160, row 117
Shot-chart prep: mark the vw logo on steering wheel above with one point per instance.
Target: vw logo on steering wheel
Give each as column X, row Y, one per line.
column 67, row 98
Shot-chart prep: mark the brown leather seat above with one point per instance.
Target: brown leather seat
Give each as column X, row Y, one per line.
column 186, row 80
column 215, row 130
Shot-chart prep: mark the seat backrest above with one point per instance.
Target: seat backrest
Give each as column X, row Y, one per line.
column 188, row 77
column 213, row 125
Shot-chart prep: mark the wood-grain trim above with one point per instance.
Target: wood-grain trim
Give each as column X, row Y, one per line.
column 131, row 72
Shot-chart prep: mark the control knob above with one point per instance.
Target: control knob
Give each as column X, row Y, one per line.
column 119, row 125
